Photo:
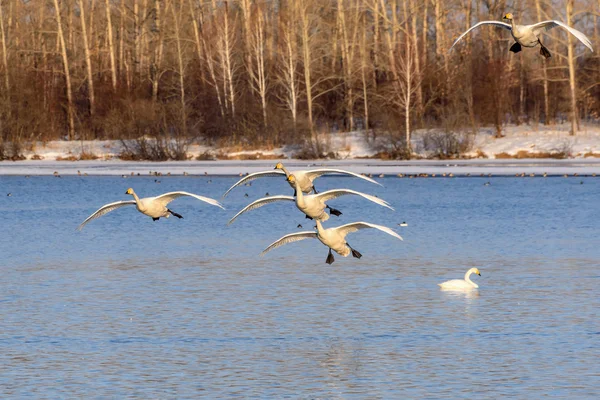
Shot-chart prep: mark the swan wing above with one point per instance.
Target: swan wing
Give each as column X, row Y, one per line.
column 544, row 26
column 496, row 23
column 315, row 173
column 356, row 226
column 292, row 237
column 259, row 203
column 166, row 198
column 105, row 209
column 335, row 193
column 254, row 176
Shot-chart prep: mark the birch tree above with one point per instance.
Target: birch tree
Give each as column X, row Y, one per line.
column 65, row 61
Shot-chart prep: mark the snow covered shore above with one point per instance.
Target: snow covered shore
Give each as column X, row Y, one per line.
column 496, row 156
column 376, row 167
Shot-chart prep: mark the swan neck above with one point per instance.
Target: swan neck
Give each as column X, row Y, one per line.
column 299, row 194
column 468, row 279
column 319, row 226
column 135, row 197
column 513, row 24
column 287, row 173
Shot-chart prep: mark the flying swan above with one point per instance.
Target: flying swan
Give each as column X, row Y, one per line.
column 304, row 178
column 312, row 205
column 529, row 35
column 461, row 284
column 154, row 207
column 334, row 238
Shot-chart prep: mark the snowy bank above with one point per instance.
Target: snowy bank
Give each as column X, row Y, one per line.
column 350, row 148
column 457, row 168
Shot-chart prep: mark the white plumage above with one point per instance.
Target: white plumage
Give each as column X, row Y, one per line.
column 461, row 284
column 529, row 35
column 334, row 238
column 304, row 178
column 154, row 207
column 313, row 205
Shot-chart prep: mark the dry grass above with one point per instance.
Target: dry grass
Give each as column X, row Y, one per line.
column 36, row 157
column 82, row 157
column 206, row 156
column 480, row 154
column 249, row 156
column 526, row 154
column 590, row 154
column 87, row 156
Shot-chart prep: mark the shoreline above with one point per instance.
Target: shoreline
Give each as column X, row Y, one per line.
column 473, row 167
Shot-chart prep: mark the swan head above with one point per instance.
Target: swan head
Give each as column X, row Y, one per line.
column 279, row 166
column 475, row 271
column 291, row 179
column 129, row 191
column 508, row 16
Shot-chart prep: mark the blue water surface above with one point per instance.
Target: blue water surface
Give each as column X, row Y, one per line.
column 184, row 308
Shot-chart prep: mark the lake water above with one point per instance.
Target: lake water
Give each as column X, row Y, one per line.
column 186, row 308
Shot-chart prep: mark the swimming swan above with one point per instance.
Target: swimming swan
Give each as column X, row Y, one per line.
column 334, row 238
column 313, row 205
column 154, row 207
column 461, row 284
column 529, row 35
column 304, row 178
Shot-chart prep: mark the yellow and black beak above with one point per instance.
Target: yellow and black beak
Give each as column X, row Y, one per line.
column 479, row 274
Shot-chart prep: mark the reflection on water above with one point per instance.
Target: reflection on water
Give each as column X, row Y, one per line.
column 187, row 308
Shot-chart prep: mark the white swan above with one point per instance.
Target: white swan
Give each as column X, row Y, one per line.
column 334, row 238
column 461, row 284
column 313, row 205
column 529, row 35
column 154, row 207
column 304, row 178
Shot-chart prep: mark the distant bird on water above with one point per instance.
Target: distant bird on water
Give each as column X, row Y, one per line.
column 529, row 35
column 154, row 207
column 461, row 284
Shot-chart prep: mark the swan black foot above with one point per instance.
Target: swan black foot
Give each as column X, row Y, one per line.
column 155, row 219
column 314, row 190
column 174, row 214
column 515, row 48
column 330, row 258
column 355, row 253
column 544, row 51
column 307, row 217
column 295, row 193
column 333, row 211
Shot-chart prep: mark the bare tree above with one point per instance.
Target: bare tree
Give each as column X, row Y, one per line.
column 4, row 55
column 88, row 59
column 111, row 46
column 65, row 60
column 256, row 64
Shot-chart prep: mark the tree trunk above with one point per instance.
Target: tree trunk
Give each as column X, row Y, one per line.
column 571, row 62
column 88, row 59
column 181, row 68
column 415, row 46
column 4, row 55
column 306, row 55
column 63, row 47
column 547, row 119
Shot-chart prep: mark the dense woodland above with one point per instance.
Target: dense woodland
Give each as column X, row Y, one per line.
column 248, row 72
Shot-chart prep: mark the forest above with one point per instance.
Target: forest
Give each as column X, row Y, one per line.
column 267, row 73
